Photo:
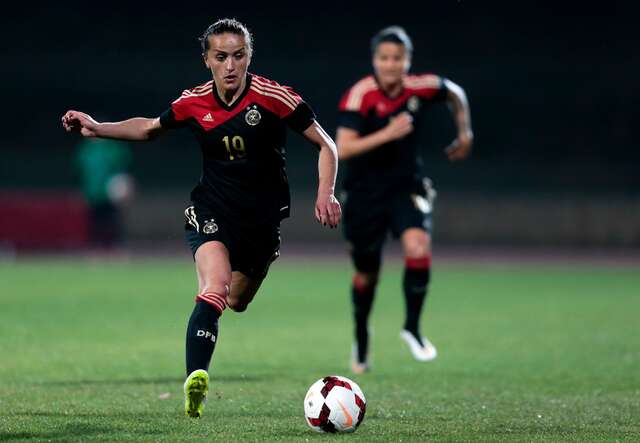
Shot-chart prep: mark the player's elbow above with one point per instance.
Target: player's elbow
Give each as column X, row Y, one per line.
column 341, row 149
column 151, row 131
column 455, row 92
column 330, row 148
column 345, row 140
column 149, row 135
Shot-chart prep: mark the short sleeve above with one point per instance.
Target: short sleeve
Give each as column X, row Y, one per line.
column 352, row 109
column 441, row 93
column 168, row 120
column 428, row 87
column 177, row 114
column 352, row 120
column 301, row 118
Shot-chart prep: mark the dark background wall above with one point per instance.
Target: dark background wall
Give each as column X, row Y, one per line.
column 553, row 86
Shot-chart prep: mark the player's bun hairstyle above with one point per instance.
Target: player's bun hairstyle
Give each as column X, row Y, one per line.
column 230, row 25
column 393, row 34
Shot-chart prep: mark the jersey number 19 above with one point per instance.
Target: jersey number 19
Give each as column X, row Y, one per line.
column 235, row 147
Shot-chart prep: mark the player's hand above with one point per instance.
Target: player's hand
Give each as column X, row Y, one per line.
column 328, row 211
column 460, row 148
column 74, row 121
column 399, row 126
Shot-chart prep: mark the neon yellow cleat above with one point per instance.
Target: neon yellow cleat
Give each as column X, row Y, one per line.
column 196, row 388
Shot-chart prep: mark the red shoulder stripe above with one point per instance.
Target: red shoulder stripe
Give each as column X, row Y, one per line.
column 352, row 100
column 275, row 93
column 272, row 86
column 188, row 93
column 275, row 96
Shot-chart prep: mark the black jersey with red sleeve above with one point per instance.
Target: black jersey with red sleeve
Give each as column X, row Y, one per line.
column 366, row 108
column 244, row 177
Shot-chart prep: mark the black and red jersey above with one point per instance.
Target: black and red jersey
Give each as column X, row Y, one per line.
column 244, row 178
column 366, row 108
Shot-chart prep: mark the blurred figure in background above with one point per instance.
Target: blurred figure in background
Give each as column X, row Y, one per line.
column 385, row 188
column 106, row 185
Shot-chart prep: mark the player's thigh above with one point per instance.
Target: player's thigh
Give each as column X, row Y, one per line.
column 213, row 268
column 250, row 263
column 411, row 223
column 243, row 290
column 210, row 244
column 365, row 227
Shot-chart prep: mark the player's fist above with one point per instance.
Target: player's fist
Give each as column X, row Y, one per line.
column 460, row 148
column 328, row 211
column 74, row 121
column 399, row 126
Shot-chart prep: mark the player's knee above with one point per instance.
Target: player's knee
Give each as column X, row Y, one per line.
column 416, row 250
column 364, row 281
column 417, row 246
column 367, row 265
column 237, row 305
column 244, row 289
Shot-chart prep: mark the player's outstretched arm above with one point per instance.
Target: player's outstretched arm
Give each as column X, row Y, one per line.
column 327, row 209
column 351, row 144
column 457, row 100
column 135, row 129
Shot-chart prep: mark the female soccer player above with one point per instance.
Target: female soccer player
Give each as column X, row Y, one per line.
column 384, row 186
column 233, row 225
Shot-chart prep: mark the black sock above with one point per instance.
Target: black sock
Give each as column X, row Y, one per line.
column 362, row 298
column 415, row 282
column 202, row 335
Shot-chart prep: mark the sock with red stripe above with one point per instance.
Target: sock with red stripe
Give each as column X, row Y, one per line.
column 362, row 298
column 202, row 335
column 417, row 274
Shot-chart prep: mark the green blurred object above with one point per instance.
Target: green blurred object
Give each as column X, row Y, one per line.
column 106, row 186
column 99, row 161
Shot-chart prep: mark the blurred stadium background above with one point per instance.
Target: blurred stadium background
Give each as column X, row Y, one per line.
column 553, row 91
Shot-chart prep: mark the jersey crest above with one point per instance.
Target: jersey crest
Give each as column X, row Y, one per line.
column 253, row 116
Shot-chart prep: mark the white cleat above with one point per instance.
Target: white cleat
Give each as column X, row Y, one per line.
column 421, row 353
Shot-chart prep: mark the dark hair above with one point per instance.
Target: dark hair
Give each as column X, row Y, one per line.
column 230, row 25
column 393, row 34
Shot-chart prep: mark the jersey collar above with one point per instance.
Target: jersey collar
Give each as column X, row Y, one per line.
column 222, row 103
column 383, row 92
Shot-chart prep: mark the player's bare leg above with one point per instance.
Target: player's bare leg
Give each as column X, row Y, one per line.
column 214, row 278
column 416, row 244
column 243, row 289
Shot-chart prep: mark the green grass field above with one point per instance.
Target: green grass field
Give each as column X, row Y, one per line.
column 93, row 351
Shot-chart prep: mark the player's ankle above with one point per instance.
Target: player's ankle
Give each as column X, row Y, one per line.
column 415, row 332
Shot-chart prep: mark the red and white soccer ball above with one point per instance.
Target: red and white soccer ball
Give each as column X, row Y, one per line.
column 334, row 404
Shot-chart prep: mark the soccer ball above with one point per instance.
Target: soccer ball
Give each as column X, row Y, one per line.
column 334, row 404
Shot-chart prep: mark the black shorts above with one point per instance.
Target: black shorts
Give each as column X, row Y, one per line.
column 368, row 220
column 251, row 251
